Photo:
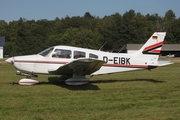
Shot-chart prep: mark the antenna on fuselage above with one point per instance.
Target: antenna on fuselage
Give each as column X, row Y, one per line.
column 102, row 45
column 122, row 48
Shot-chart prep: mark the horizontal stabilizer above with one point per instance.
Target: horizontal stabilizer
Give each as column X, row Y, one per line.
column 163, row 63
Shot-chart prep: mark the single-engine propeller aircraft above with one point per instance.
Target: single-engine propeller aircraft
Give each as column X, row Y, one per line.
column 74, row 63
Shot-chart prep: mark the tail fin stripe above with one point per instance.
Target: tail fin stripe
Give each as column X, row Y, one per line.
column 152, row 46
column 155, row 51
column 152, row 50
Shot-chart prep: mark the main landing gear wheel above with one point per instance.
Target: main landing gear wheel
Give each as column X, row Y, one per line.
column 77, row 80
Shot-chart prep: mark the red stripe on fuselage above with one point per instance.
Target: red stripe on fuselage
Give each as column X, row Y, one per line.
column 60, row 62
column 126, row 65
column 41, row 61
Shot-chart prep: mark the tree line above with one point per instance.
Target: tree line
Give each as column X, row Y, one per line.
column 24, row 36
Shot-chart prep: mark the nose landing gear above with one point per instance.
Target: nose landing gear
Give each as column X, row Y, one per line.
column 28, row 80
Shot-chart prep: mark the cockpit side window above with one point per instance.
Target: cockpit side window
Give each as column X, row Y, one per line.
column 46, row 52
column 79, row 54
column 93, row 56
column 61, row 53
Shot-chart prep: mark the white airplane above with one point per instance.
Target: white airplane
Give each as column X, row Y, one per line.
column 74, row 63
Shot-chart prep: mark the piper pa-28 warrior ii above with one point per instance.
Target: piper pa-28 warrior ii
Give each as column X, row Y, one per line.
column 74, row 63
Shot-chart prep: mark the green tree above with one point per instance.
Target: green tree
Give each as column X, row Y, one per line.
column 3, row 28
column 174, row 32
column 30, row 36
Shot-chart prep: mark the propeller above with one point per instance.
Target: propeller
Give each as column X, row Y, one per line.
column 10, row 60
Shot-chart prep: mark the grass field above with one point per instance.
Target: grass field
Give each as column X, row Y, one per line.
column 139, row 95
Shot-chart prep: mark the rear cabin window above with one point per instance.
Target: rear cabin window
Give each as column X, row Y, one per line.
column 79, row 54
column 61, row 53
column 93, row 56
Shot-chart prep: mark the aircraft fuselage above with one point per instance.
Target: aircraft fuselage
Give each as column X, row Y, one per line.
column 46, row 60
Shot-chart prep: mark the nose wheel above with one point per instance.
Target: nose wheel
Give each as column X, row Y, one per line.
column 28, row 80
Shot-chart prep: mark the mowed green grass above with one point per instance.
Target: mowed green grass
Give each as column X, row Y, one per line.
column 138, row 95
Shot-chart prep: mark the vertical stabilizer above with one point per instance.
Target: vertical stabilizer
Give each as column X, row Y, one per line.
column 152, row 48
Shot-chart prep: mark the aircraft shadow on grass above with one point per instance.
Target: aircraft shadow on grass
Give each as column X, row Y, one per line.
column 131, row 80
column 91, row 85
column 54, row 81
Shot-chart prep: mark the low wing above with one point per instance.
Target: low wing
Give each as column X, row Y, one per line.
column 82, row 66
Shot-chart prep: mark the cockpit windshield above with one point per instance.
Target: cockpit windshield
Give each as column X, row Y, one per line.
column 46, row 52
